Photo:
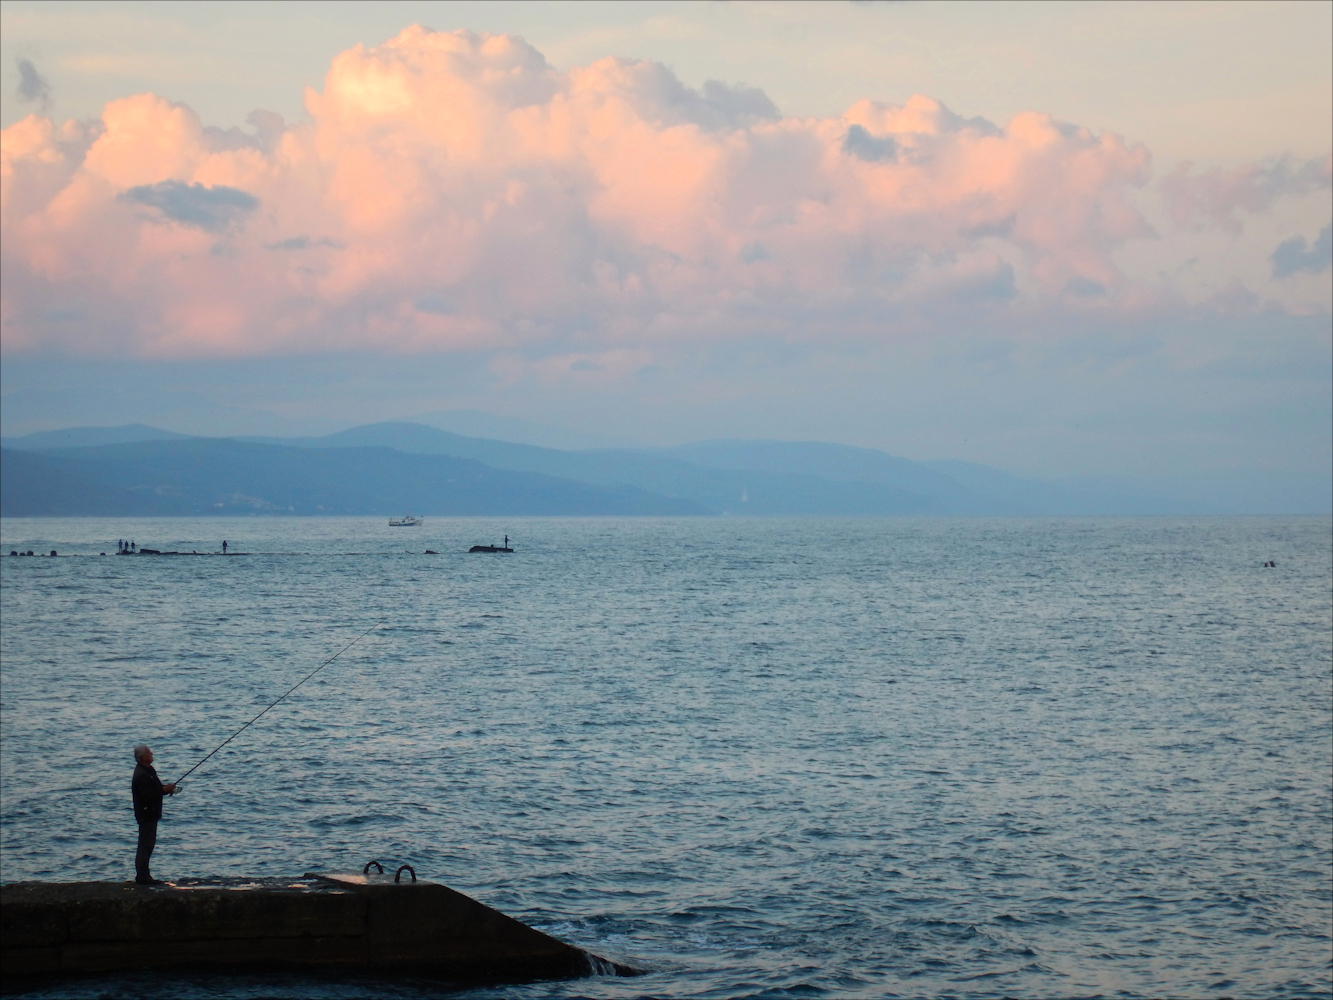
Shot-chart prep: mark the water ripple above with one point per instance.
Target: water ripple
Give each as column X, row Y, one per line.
column 765, row 758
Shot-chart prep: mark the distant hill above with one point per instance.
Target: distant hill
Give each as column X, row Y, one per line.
column 217, row 476
column 662, row 471
column 391, row 467
column 843, row 464
column 779, row 477
column 33, row 484
column 478, row 424
column 88, row 437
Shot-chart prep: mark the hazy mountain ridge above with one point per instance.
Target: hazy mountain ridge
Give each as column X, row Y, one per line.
column 394, row 466
column 723, row 490
column 221, row 476
column 781, row 477
column 88, row 437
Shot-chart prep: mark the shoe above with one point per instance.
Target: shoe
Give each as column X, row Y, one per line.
column 148, row 881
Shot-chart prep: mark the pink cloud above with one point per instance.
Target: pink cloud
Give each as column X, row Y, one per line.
column 1217, row 196
column 452, row 191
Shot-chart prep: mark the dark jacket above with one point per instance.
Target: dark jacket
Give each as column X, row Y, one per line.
column 147, row 790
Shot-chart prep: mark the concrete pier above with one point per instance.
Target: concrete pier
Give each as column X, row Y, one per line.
column 354, row 922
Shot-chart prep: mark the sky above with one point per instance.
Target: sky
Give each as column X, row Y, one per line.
column 1065, row 239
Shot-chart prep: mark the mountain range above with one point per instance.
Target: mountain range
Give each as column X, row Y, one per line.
column 391, row 468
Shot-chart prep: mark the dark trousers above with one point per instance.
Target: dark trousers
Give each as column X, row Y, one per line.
column 147, row 841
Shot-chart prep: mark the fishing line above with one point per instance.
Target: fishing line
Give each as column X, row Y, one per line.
column 289, row 691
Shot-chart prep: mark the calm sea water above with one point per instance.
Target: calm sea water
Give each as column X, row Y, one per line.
column 844, row 757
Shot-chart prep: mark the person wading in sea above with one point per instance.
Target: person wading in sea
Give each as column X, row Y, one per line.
column 147, row 790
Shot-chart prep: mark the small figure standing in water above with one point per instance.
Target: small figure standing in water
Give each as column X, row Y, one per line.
column 147, row 790
column 224, row 546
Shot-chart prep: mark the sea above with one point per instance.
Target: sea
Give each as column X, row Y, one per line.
column 783, row 757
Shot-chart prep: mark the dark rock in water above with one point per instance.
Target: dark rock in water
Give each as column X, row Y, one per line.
column 490, row 548
column 352, row 922
column 160, row 552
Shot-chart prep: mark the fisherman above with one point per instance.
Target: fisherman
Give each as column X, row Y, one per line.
column 506, row 540
column 147, row 790
column 224, row 546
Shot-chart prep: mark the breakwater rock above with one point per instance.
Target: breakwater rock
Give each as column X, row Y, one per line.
column 359, row 922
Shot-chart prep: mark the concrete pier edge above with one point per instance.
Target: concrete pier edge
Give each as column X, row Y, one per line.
column 66, row 929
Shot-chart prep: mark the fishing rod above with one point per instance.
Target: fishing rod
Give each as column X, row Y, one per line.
column 289, row 691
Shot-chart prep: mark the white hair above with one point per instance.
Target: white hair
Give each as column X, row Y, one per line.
column 139, row 750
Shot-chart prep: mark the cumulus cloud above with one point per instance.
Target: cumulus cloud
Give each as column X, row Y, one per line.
column 33, row 88
column 453, row 191
column 1217, row 196
column 1294, row 255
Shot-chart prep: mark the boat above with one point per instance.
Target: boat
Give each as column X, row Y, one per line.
column 406, row 521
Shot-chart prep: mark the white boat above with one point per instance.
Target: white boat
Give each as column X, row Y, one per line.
column 406, row 521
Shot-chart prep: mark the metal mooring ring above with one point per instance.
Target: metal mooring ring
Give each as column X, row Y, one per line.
column 398, row 875
column 378, row 867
